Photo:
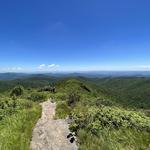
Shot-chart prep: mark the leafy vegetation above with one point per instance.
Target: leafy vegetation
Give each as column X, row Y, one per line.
column 16, row 130
column 96, row 119
column 38, row 97
column 106, row 113
column 17, row 91
column 18, row 116
column 62, row 110
column 129, row 92
column 99, row 119
column 35, row 82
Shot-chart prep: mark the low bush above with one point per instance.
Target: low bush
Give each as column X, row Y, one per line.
column 9, row 106
column 17, row 91
column 60, row 96
column 47, row 89
column 62, row 110
column 73, row 98
column 38, row 97
column 96, row 119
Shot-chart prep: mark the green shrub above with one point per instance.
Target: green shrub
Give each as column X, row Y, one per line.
column 9, row 106
column 38, row 97
column 23, row 104
column 17, row 91
column 47, row 89
column 60, row 96
column 62, row 110
column 104, row 102
column 73, row 98
column 96, row 119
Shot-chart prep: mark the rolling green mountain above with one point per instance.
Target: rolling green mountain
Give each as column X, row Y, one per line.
column 128, row 91
column 31, row 82
column 107, row 113
column 104, row 114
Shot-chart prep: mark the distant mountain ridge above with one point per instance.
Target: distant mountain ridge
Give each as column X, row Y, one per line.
column 99, row 74
column 12, row 76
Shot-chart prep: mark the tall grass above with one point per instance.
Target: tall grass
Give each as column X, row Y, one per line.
column 16, row 130
column 114, row 140
column 101, row 123
column 62, row 110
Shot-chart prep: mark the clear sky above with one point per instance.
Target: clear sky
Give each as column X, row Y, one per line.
column 74, row 35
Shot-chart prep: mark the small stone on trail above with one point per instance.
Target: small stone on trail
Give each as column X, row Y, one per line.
column 72, row 140
column 69, row 135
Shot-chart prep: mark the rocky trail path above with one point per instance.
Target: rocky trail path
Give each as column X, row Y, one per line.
column 51, row 134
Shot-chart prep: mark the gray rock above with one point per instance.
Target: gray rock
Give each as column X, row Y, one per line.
column 50, row 134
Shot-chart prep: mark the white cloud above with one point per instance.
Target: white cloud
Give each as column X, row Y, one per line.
column 53, row 66
column 45, row 67
column 41, row 66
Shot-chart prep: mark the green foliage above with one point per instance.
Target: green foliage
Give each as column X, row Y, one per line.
column 59, row 96
column 17, row 118
column 96, row 119
column 36, row 81
column 129, row 92
column 9, row 106
column 100, row 119
column 102, row 111
column 62, row 110
column 48, row 89
column 17, row 91
column 73, row 98
column 16, row 130
column 114, row 140
column 38, row 97
column 72, row 84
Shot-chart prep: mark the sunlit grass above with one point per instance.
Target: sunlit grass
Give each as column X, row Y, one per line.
column 16, row 130
column 114, row 140
column 62, row 110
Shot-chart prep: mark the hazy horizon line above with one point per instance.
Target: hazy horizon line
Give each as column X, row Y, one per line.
column 89, row 71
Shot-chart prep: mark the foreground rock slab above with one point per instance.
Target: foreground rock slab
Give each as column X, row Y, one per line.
column 50, row 134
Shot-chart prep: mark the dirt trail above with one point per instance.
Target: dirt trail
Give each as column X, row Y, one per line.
column 50, row 134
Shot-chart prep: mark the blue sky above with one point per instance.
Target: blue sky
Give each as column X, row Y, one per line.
column 74, row 35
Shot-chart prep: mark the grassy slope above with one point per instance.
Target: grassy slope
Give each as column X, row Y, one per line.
column 107, row 138
column 114, row 140
column 16, row 130
column 129, row 92
column 17, row 118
